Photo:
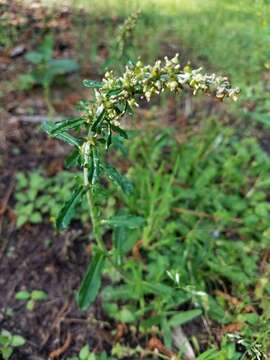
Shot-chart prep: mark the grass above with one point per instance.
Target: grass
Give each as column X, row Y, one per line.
column 231, row 37
column 202, row 249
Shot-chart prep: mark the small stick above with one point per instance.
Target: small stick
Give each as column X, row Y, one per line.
column 56, row 353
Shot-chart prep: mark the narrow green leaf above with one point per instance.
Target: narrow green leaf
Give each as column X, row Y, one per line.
column 167, row 333
column 92, row 84
column 68, row 210
column 74, row 159
column 91, row 282
column 129, row 109
column 64, row 136
column 159, row 289
column 109, row 136
column 96, row 166
column 151, row 321
column 114, row 92
column 97, row 123
column 120, row 131
column 184, row 317
column 119, row 179
column 128, row 221
column 66, row 125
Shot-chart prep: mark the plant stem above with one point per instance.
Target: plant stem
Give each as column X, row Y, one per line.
column 47, row 96
column 92, row 211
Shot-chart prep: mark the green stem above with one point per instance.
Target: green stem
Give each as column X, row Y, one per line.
column 47, row 96
column 92, row 211
column 93, row 214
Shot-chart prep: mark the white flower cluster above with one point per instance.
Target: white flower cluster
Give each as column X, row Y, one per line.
column 143, row 82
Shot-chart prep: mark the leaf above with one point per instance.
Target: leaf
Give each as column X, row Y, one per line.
column 64, row 136
column 119, row 237
column 34, row 57
column 92, row 84
column 184, row 317
column 21, row 220
column 109, row 136
column 125, row 315
column 66, row 125
column 167, row 334
column 159, row 289
column 22, row 295
column 62, row 66
column 99, row 120
column 17, row 340
column 114, row 92
column 68, row 211
column 30, row 305
column 96, row 166
column 73, row 159
column 120, row 180
column 4, row 339
column 120, row 131
column 38, row 295
column 128, row 221
column 6, row 352
column 91, row 282
column 209, row 355
column 84, row 352
column 129, row 109
column 46, row 47
column 35, row 217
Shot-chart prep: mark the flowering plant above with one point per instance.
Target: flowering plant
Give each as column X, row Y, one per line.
column 100, row 121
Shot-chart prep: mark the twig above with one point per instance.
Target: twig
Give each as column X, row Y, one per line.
column 56, row 322
column 56, row 353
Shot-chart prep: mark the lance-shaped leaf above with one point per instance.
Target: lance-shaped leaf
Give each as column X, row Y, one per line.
column 119, row 179
column 68, row 211
column 64, row 125
column 91, row 283
column 64, row 136
column 73, row 159
column 184, row 317
column 92, row 84
column 129, row 221
column 119, row 238
column 120, row 131
column 98, row 122
column 95, row 166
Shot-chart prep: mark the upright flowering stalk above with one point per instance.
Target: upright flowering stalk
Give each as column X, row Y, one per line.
column 114, row 97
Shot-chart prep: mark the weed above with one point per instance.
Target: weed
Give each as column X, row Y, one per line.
column 113, row 98
column 46, row 69
column 86, row 354
column 38, row 196
column 31, row 297
column 8, row 342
